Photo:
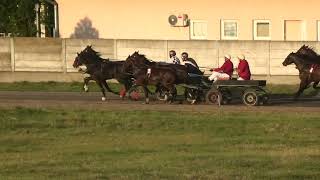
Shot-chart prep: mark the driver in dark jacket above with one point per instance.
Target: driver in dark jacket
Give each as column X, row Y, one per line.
column 191, row 64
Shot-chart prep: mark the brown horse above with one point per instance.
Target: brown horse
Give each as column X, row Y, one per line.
column 180, row 70
column 310, row 56
column 89, row 62
column 308, row 72
column 151, row 75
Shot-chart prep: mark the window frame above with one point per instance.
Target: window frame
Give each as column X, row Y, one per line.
column 222, row 36
column 255, row 29
column 192, row 37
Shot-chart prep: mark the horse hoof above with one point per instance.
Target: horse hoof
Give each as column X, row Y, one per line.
column 103, row 99
column 86, row 89
column 193, row 101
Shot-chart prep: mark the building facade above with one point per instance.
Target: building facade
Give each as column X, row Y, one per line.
column 277, row 20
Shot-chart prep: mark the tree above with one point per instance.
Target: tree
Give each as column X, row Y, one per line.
column 18, row 17
column 84, row 30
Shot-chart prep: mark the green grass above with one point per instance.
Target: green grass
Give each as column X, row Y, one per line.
column 74, row 144
column 77, row 87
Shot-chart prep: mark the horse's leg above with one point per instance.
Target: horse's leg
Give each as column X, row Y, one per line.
column 303, row 86
column 173, row 92
column 146, row 93
column 105, row 84
column 85, row 83
column 100, row 84
column 127, row 85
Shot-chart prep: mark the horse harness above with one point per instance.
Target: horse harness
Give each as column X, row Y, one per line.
column 312, row 68
column 148, row 72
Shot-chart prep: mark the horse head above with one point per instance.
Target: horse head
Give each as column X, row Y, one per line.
column 289, row 59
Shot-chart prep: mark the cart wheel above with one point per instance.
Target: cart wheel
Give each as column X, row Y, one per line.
column 213, row 97
column 136, row 93
column 250, row 98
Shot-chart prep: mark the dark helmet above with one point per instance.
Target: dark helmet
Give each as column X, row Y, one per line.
column 184, row 54
column 172, row 52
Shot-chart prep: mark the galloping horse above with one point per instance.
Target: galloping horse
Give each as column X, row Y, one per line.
column 147, row 74
column 180, row 70
column 310, row 56
column 308, row 72
column 89, row 62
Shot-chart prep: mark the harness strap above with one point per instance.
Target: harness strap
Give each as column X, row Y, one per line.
column 188, row 62
column 149, row 72
column 312, row 68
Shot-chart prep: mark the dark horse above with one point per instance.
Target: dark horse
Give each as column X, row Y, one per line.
column 310, row 56
column 89, row 62
column 308, row 72
column 147, row 73
column 180, row 70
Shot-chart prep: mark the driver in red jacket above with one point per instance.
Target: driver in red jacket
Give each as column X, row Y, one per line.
column 243, row 68
column 224, row 72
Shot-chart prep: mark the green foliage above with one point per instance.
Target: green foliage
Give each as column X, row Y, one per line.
column 18, row 17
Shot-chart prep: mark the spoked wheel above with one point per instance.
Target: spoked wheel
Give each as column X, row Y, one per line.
column 250, row 98
column 136, row 93
column 213, row 96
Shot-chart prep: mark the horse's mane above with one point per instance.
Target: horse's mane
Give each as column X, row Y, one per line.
column 309, row 50
column 143, row 57
column 91, row 54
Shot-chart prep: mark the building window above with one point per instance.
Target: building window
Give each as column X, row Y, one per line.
column 229, row 29
column 294, row 30
column 198, row 29
column 261, row 30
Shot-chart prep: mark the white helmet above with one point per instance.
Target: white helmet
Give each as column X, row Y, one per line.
column 227, row 56
column 241, row 57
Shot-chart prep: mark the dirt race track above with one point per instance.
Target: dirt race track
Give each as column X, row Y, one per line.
column 77, row 100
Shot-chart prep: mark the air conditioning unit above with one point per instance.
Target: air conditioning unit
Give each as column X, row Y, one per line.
column 179, row 20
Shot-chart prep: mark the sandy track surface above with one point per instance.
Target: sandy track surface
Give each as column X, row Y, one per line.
column 74, row 100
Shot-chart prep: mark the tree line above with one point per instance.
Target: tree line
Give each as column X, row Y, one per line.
column 18, row 17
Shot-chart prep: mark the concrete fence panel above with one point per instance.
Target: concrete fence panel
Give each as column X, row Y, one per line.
column 35, row 54
column 5, row 54
column 54, row 57
column 153, row 49
column 204, row 52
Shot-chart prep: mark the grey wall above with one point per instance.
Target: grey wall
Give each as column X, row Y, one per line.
column 37, row 59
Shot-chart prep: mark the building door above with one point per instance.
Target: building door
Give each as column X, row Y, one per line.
column 294, row 30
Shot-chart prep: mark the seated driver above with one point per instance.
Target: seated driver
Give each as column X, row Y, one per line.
column 224, row 72
column 243, row 68
column 191, row 64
